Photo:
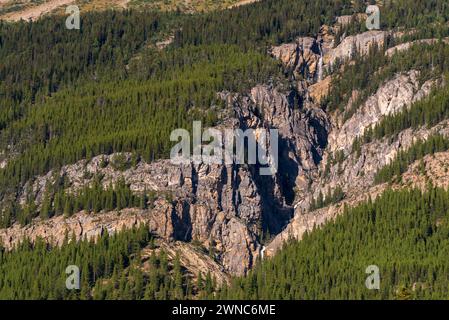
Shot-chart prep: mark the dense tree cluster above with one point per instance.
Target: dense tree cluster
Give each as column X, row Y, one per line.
column 331, row 197
column 37, row 271
column 94, row 198
column 404, row 158
column 281, row 21
column 414, row 14
column 405, row 233
column 110, row 268
column 269, row 21
column 38, row 58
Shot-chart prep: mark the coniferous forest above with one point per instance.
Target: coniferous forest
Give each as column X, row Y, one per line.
column 404, row 233
column 109, row 269
column 110, row 88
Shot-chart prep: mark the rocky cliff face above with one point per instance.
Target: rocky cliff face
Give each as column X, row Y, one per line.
column 352, row 44
column 355, row 172
column 224, row 208
column 90, row 226
column 221, row 207
column 301, row 57
column 392, row 97
column 407, row 45
column 214, row 205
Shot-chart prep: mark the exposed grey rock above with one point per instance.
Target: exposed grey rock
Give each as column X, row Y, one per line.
column 393, row 96
column 360, row 188
column 304, row 58
column 407, row 45
column 204, row 197
column 360, row 43
column 356, row 173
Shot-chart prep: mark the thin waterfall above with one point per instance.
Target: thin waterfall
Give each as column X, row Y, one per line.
column 320, row 65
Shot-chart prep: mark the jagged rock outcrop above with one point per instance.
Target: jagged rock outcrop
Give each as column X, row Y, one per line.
column 207, row 202
column 350, row 45
column 318, row 91
column 309, row 59
column 301, row 57
column 83, row 225
column 90, row 226
column 307, row 55
column 345, row 20
column 396, row 94
column 356, row 172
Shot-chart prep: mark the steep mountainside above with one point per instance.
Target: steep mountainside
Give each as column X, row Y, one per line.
column 85, row 127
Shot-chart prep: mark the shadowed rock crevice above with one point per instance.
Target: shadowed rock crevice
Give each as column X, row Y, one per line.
column 303, row 133
column 182, row 225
